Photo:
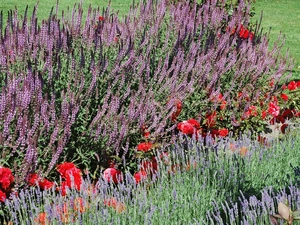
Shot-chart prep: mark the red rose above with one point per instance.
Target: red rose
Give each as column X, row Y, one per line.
column 186, row 128
column 284, row 97
column 148, row 165
column 292, row 86
column 112, row 175
column 263, row 114
column 45, row 184
column 223, row 132
column 144, row 146
column 6, row 178
column 195, row 123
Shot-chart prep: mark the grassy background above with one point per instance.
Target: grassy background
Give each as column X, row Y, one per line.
column 278, row 15
column 282, row 16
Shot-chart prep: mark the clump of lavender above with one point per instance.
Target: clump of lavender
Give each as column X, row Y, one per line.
column 81, row 91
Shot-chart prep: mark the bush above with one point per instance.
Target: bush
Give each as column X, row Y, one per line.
column 82, row 91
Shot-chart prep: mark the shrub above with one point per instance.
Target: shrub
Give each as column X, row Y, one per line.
column 82, row 91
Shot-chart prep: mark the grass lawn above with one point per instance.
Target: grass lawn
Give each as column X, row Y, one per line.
column 282, row 16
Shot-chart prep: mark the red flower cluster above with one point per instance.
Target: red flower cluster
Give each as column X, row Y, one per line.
column 245, row 33
column 6, row 181
column 43, row 183
column 144, row 146
column 71, row 176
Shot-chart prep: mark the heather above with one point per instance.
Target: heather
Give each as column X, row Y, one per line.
column 97, row 97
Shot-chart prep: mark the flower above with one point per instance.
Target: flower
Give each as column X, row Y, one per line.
column 148, row 165
column 284, row 97
column 140, row 176
column 71, row 174
column 144, row 146
column 43, row 183
column 186, row 127
column 174, row 115
column 6, row 178
column 292, row 86
column 112, row 175
column 211, row 119
column 2, row 196
column 273, row 109
column 223, row 132
column 101, row 18
column 195, row 123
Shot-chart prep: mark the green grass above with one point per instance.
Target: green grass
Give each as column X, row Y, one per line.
column 44, row 7
column 282, row 16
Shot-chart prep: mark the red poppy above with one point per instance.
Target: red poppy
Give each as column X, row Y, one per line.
column 6, row 178
column 2, row 196
column 140, row 176
column 284, row 97
column 144, row 146
column 112, row 175
column 292, row 86
column 223, row 132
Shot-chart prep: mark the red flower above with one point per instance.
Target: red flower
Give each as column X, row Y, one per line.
column 71, row 174
column 195, row 123
column 140, row 176
column 288, row 113
column 251, row 36
column 101, row 18
column 223, row 105
column 263, row 114
column 186, row 128
column 244, row 33
column 211, row 119
column 178, row 110
column 66, row 168
column 292, row 86
column 145, row 131
column 283, row 128
column 112, row 175
column 273, row 109
column 6, row 178
column 148, row 165
column 43, row 183
column 284, row 97
column 144, row 146
column 223, row 132
column 2, row 196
